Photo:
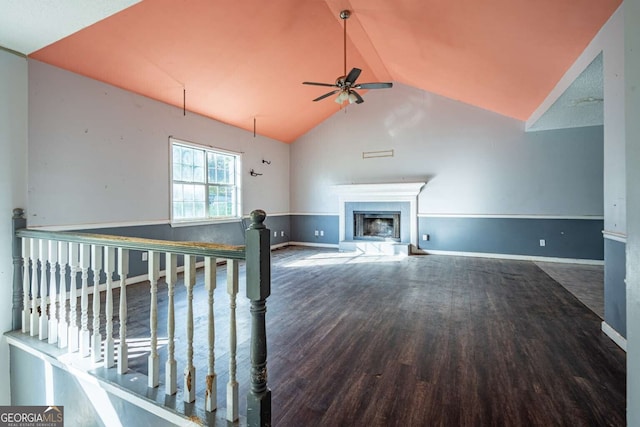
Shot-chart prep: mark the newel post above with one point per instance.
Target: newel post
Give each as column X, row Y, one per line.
column 19, row 222
column 258, row 261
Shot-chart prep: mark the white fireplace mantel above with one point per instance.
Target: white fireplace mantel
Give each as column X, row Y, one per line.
column 388, row 192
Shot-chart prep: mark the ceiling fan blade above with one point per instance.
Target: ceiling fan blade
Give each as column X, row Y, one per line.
column 379, row 85
column 327, row 94
column 352, row 76
column 359, row 99
column 320, row 84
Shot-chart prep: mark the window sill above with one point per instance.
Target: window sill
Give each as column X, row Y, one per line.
column 208, row 221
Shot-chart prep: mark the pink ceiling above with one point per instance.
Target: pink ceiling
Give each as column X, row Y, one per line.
column 243, row 59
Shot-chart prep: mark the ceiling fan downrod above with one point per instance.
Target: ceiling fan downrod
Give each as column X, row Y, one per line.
column 344, row 15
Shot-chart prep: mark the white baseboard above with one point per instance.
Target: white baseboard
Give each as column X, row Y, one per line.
column 280, row 245
column 513, row 257
column 315, row 245
column 614, row 335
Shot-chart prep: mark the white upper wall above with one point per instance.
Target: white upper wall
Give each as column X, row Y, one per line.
column 476, row 162
column 13, row 187
column 99, row 154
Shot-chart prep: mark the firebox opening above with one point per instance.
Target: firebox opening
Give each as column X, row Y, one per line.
column 383, row 226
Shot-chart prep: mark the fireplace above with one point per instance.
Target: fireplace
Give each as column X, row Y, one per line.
column 383, row 232
column 381, row 226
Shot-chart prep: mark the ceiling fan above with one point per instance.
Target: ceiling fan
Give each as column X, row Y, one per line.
column 346, row 84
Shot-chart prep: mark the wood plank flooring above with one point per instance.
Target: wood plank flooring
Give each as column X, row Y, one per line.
column 415, row 341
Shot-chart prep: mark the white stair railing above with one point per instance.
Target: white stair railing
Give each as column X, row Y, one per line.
column 171, row 370
column 96, row 338
column 52, row 265
column 63, row 261
column 153, row 360
column 109, row 267
column 33, row 318
column 53, row 292
column 74, row 269
column 210, row 398
column 189, row 392
column 123, row 349
column 45, row 267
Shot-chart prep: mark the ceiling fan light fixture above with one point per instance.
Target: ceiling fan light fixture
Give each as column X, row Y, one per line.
column 352, row 98
column 342, row 96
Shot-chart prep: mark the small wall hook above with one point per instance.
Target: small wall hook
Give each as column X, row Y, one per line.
column 266, row 161
column 254, row 173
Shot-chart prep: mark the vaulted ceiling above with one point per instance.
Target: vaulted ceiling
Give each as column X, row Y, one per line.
column 237, row 61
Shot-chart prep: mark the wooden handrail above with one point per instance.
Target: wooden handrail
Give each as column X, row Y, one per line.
column 140, row 244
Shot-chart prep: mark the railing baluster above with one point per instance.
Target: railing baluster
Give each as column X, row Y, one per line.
column 26, row 273
column 123, row 270
column 85, row 335
column 153, row 360
column 189, row 371
column 232, row 385
column 171, row 261
column 74, row 267
column 63, row 260
column 45, row 267
column 211, row 396
column 53, row 292
column 109, row 265
column 33, row 321
column 96, row 339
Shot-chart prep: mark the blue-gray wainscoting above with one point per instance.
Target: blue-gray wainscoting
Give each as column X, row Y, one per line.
column 304, row 227
column 564, row 238
column 615, row 300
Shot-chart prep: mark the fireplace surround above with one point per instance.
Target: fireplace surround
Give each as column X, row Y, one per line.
column 398, row 197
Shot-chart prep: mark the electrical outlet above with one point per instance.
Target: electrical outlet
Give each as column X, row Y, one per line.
column 145, row 256
column 425, row 237
column 316, row 233
column 321, row 232
column 275, row 234
column 282, row 234
column 542, row 242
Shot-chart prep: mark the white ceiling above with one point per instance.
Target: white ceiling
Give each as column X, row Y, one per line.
column 582, row 104
column 29, row 25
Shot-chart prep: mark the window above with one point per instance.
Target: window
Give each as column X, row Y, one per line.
column 205, row 183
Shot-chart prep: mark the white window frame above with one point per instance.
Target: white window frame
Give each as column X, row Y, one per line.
column 177, row 222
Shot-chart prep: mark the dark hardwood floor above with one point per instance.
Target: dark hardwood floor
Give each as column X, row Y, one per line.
column 415, row 341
